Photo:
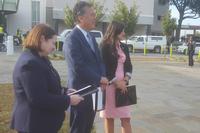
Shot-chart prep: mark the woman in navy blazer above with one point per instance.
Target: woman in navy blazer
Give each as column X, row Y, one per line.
column 39, row 103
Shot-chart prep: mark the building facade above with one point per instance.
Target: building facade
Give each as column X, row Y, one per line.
column 31, row 12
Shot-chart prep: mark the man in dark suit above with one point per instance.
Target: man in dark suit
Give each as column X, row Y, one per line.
column 84, row 65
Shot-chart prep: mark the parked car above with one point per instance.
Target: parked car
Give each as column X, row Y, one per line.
column 154, row 43
column 197, row 48
column 97, row 34
column 3, row 42
column 182, row 48
column 63, row 35
column 175, row 44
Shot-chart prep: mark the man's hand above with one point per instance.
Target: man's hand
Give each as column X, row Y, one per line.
column 104, row 82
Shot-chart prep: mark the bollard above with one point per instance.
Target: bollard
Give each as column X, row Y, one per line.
column 186, row 51
column 145, row 48
column 199, row 55
column 170, row 50
column 162, row 49
column 9, row 44
column 58, row 46
column 1, row 29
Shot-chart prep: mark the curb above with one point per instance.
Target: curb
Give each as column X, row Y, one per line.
column 158, row 59
column 150, row 58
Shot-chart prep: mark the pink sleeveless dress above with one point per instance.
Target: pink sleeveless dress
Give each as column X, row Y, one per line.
column 110, row 110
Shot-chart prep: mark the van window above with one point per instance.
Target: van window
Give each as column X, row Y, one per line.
column 96, row 34
column 156, row 38
column 132, row 38
column 140, row 39
column 197, row 45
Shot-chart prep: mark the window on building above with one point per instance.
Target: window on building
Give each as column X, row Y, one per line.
column 35, row 12
column 159, row 18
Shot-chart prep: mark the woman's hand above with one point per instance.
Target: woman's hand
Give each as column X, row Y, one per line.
column 126, row 78
column 70, row 90
column 75, row 99
column 121, row 84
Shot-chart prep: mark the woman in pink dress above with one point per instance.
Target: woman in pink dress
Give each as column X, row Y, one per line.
column 118, row 70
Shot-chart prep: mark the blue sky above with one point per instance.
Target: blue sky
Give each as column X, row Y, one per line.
column 175, row 14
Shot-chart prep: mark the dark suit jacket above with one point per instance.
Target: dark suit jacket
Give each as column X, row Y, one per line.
column 84, row 66
column 39, row 105
column 111, row 60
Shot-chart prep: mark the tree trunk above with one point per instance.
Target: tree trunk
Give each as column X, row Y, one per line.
column 178, row 30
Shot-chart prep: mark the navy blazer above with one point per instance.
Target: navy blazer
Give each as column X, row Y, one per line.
column 84, row 66
column 39, row 105
column 110, row 59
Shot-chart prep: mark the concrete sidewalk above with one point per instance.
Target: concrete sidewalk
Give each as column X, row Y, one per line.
column 168, row 99
column 168, row 95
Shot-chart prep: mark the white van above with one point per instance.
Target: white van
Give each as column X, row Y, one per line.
column 97, row 34
column 154, row 43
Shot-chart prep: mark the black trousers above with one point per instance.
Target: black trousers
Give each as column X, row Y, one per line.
column 191, row 61
column 82, row 117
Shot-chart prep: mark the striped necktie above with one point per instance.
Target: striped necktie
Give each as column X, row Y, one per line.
column 89, row 38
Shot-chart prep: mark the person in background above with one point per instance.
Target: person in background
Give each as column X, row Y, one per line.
column 85, row 65
column 1, row 35
column 118, row 70
column 190, row 51
column 18, row 37
column 39, row 105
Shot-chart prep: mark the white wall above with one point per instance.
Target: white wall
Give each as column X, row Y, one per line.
column 43, row 11
column 140, row 30
column 21, row 19
column 159, row 10
column 49, row 3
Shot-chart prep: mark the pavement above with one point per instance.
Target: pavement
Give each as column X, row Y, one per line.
column 168, row 94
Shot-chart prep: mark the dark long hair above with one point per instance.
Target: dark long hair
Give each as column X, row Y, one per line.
column 113, row 30
column 111, row 35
